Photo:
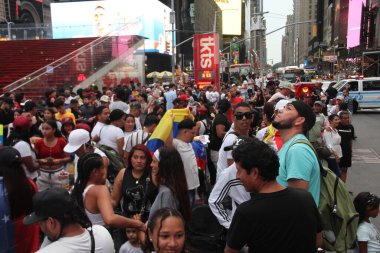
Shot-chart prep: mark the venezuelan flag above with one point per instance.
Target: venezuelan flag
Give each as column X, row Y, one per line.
column 169, row 122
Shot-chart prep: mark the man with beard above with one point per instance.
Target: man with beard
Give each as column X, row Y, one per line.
column 299, row 166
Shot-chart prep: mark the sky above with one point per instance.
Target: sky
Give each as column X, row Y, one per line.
column 276, row 18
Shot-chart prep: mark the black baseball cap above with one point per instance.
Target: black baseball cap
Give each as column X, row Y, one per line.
column 9, row 155
column 53, row 202
column 305, row 111
column 239, row 140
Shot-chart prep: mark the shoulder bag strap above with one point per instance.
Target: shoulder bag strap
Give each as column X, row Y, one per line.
column 92, row 240
column 306, row 142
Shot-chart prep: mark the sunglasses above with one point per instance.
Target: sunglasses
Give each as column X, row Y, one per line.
column 240, row 115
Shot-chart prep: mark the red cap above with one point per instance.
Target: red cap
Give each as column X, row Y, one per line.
column 83, row 126
column 22, row 122
column 201, row 110
column 184, row 97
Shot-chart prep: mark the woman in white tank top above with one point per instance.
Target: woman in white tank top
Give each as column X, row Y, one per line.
column 92, row 194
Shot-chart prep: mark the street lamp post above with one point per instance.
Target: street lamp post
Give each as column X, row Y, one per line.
column 172, row 21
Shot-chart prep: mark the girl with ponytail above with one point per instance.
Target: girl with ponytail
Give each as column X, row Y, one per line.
column 93, row 196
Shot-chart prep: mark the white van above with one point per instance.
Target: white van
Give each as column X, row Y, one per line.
column 366, row 91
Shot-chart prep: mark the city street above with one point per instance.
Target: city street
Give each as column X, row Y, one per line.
column 364, row 175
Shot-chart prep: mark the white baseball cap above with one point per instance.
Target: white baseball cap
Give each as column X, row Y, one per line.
column 77, row 138
column 281, row 104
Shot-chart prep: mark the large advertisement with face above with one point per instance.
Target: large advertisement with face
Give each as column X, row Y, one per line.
column 231, row 16
column 148, row 18
column 354, row 22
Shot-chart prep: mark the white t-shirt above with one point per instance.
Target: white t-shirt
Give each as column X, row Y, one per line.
column 138, row 123
column 128, row 248
column 229, row 140
column 109, row 135
column 120, row 105
column 260, row 134
column 25, row 151
column 367, row 232
column 96, row 129
column 137, row 137
column 189, row 162
column 81, row 243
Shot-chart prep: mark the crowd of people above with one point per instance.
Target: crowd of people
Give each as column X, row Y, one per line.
column 75, row 167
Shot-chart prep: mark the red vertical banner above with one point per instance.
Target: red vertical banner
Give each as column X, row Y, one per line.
column 206, row 60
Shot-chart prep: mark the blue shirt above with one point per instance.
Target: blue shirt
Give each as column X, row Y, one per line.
column 299, row 162
column 170, row 96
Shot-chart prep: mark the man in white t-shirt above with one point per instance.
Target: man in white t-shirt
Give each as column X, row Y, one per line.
column 79, row 143
column 117, row 103
column 60, row 220
column 170, row 96
column 102, row 114
column 182, row 143
column 242, row 122
column 286, row 89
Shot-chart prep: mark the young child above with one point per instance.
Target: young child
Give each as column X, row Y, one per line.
column 367, row 205
column 133, row 243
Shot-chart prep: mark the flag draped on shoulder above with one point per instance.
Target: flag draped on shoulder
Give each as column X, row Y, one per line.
column 169, row 122
column 6, row 224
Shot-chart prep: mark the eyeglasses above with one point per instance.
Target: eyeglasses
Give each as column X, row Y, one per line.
column 240, row 115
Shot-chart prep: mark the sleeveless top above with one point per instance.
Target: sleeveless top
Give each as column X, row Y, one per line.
column 95, row 218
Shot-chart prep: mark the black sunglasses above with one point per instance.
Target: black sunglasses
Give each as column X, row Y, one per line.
column 240, row 115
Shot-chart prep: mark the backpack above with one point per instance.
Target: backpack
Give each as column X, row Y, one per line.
column 338, row 214
column 116, row 162
column 204, row 234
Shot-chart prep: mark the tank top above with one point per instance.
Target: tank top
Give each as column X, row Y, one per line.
column 95, row 218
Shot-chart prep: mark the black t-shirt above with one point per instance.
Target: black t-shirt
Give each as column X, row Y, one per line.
column 347, row 134
column 6, row 117
column 284, row 221
column 215, row 142
column 138, row 195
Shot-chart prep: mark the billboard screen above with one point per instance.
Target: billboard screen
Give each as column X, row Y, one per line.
column 231, row 16
column 355, row 10
column 206, row 59
column 127, row 17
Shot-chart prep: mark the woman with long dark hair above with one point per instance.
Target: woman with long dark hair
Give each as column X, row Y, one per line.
column 167, row 166
column 16, row 193
column 19, row 139
column 51, row 158
column 93, row 196
column 134, row 187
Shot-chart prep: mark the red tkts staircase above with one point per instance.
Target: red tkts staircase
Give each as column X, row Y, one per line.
column 22, row 57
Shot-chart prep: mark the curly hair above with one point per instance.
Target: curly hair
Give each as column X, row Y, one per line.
column 257, row 154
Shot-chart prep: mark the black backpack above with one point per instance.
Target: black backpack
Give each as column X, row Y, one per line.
column 204, row 234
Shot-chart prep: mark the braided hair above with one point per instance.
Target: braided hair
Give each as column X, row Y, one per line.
column 86, row 164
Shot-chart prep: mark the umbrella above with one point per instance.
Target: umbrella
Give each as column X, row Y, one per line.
column 165, row 74
column 153, row 74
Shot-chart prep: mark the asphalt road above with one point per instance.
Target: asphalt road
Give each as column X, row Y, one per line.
column 364, row 175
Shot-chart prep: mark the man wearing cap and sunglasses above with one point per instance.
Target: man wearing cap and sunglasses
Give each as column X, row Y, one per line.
column 299, row 165
column 242, row 122
column 66, row 227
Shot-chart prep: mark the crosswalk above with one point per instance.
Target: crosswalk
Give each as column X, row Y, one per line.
column 365, row 155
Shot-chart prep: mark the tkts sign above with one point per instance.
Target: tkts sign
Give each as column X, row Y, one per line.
column 206, row 60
